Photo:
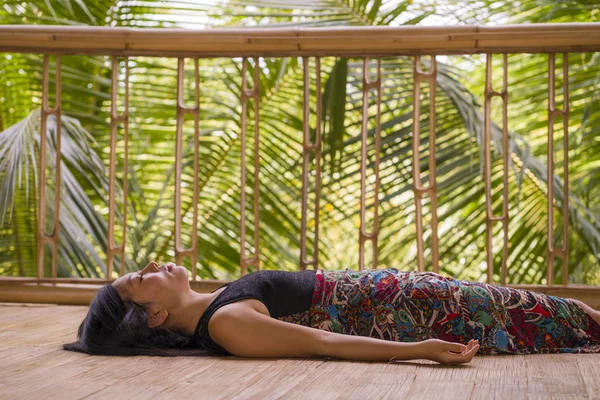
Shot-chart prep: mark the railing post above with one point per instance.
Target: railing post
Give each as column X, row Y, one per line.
column 246, row 261
column 112, row 248
column 552, row 113
column 42, row 237
column 182, row 110
column 307, row 148
column 363, row 234
column 490, row 217
column 419, row 189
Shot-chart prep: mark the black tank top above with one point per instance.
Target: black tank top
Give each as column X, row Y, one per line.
column 282, row 292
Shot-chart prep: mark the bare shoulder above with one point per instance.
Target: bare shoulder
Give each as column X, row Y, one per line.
column 246, row 332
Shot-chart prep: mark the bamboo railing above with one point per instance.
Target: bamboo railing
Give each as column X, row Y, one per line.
column 364, row 42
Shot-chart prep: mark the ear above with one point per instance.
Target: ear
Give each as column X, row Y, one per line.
column 156, row 318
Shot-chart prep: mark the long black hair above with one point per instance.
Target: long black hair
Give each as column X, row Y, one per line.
column 114, row 326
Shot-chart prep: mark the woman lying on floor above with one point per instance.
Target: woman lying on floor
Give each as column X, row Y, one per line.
column 371, row 315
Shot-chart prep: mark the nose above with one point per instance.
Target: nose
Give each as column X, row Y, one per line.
column 151, row 267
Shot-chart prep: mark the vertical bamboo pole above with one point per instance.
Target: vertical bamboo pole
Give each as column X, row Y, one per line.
column 112, row 170
column 564, row 114
column 505, row 160
column 125, row 119
column 307, row 148
column 363, row 234
column 194, row 249
column 432, row 169
column 112, row 248
column 550, row 170
column 246, row 261
column 57, row 182
column 419, row 189
column 42, row 237
column 182, row 110
column 178, row 150
column 490, row 217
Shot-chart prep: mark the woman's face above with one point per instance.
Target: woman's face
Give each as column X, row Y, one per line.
column 162, row 286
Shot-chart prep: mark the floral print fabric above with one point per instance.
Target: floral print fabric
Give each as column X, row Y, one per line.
column 414, row 306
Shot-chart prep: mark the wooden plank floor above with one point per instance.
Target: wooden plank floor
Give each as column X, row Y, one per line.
column 33, row 366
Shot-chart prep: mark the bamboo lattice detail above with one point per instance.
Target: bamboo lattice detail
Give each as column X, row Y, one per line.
column 490, row 217
column 418, row 188
column 115, row 118
column 553, row 112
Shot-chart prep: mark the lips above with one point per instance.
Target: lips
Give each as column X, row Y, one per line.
column 169, row 267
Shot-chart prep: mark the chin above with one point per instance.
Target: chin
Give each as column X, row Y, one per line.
column 181, row 273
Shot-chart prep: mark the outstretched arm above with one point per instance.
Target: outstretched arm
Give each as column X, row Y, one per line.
column 372, row 349
column 248, row 333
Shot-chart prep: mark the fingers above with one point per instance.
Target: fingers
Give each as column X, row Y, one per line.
column 464, row 357
column 456, row 353
column 457, row 347
column 472, row 343
column 471, row 353
column 471, row 349
column 461, row 348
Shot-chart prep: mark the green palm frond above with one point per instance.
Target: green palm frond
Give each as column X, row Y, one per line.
column 82, row 230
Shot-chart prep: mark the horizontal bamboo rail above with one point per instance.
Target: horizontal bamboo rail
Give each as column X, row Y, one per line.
column 341, row 41
column 365, row 42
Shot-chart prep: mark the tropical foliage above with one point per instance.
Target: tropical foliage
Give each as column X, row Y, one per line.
column 153, row 90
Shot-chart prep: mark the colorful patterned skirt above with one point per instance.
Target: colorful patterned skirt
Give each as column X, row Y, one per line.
column 414, row 306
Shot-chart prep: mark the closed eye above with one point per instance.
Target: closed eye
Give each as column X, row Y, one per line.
column 141, row 277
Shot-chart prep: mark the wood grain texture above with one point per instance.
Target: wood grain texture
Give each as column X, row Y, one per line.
column 335, row 41
column 33, row 366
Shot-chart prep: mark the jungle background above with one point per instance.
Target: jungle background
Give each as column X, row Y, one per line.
column 86, row 91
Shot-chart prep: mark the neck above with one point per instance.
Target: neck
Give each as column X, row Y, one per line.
column 186, row 317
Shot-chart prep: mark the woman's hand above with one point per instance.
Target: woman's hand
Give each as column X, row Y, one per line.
column 449, row 353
